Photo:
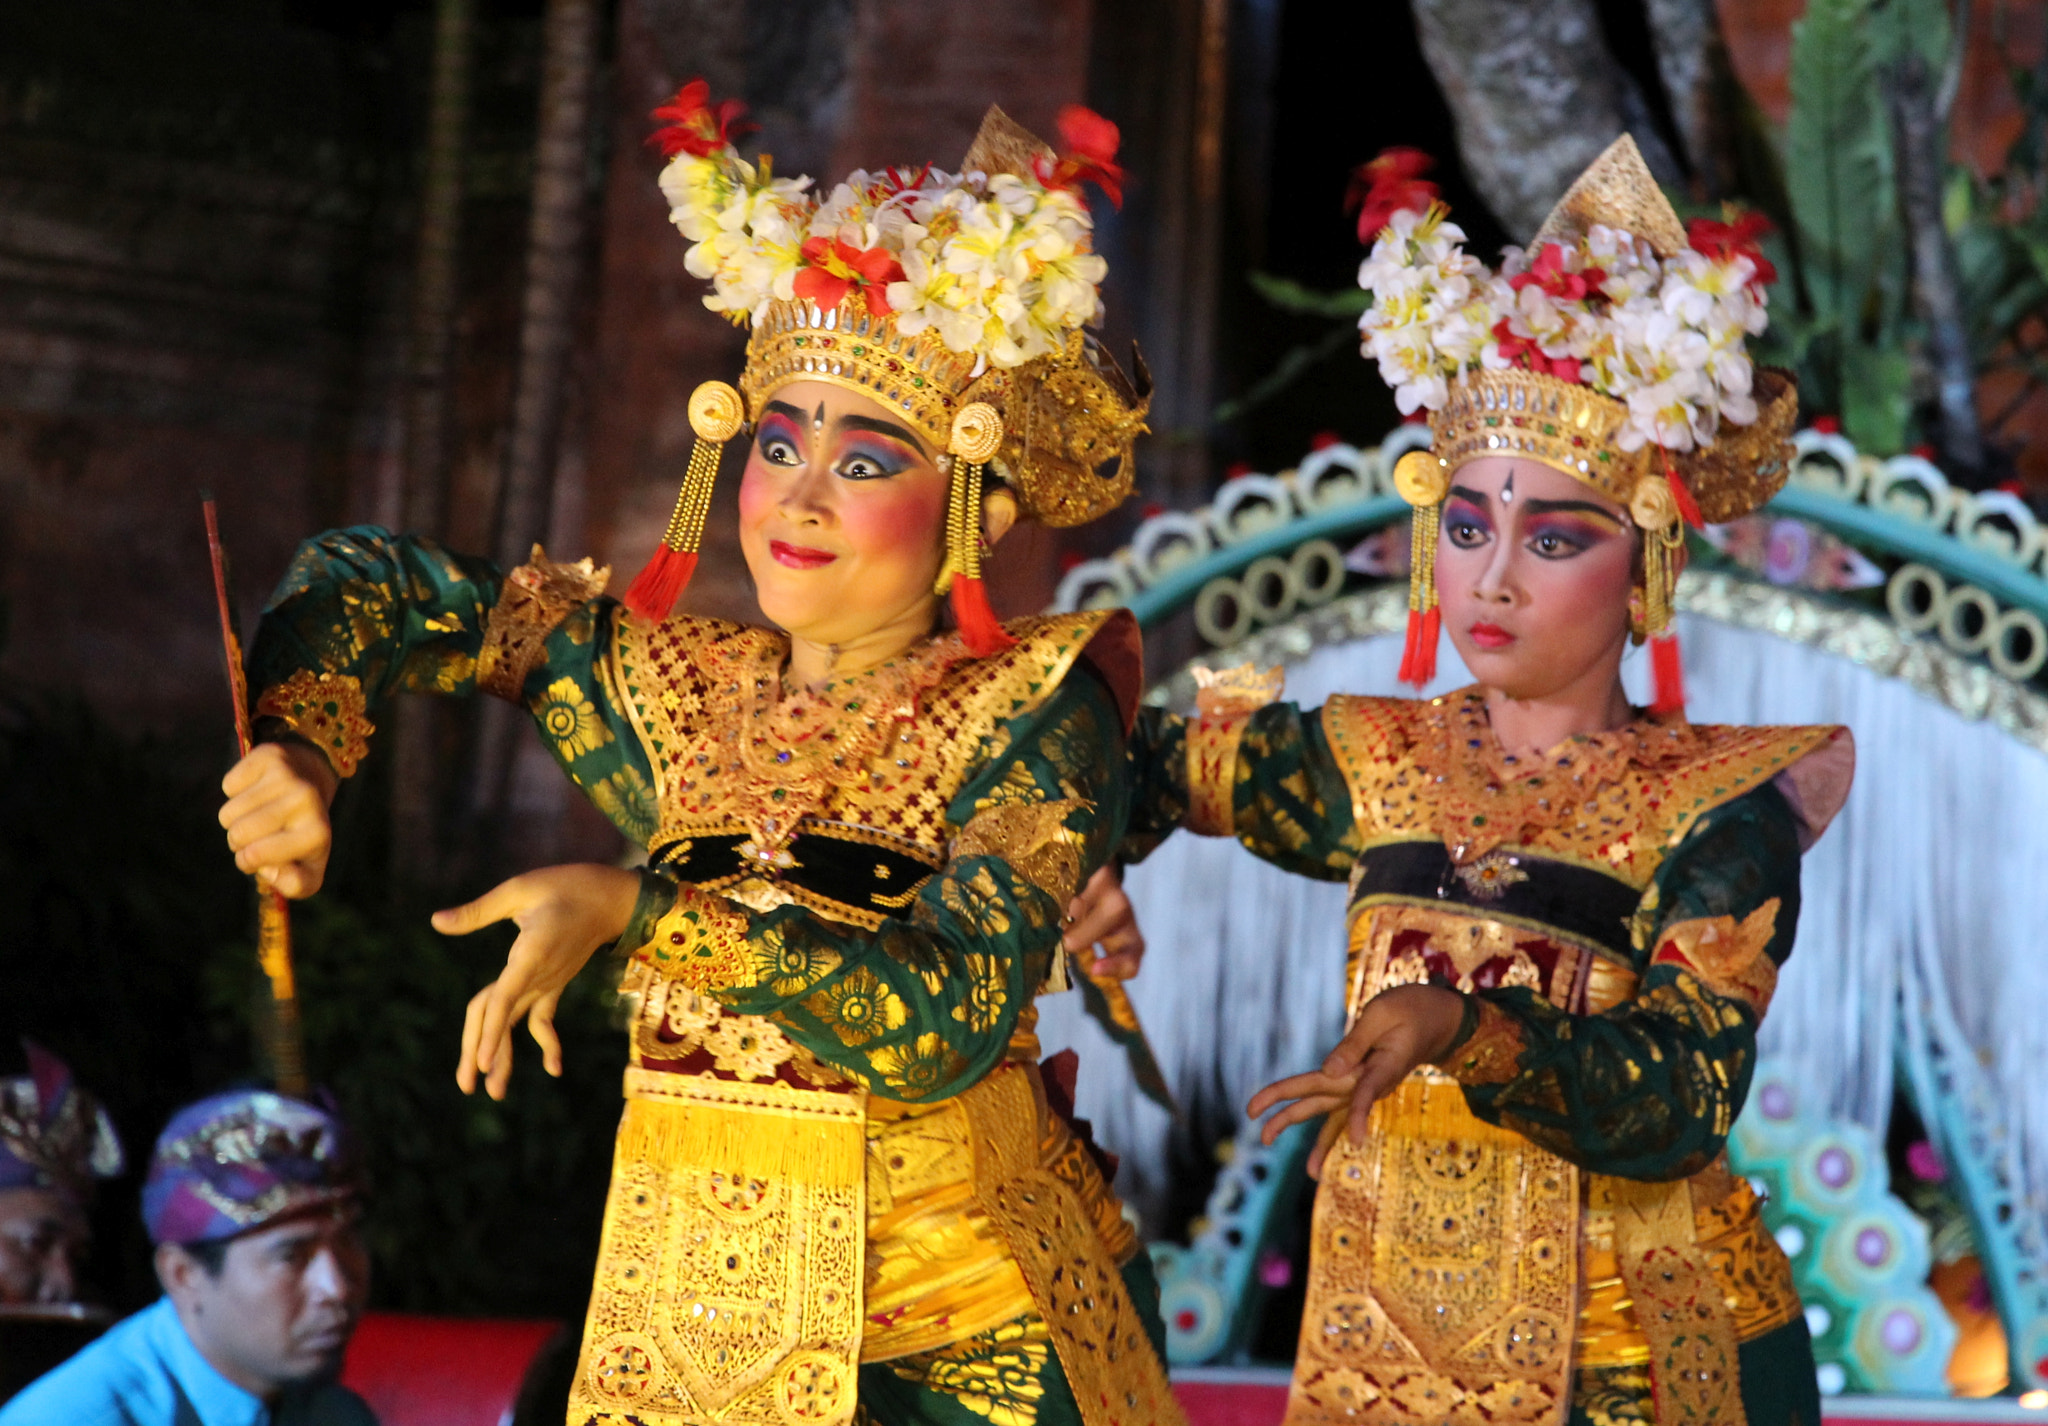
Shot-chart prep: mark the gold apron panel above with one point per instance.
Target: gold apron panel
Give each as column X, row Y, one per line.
column 728, row 1285
column 1443, row 1273
column 1117, row 1379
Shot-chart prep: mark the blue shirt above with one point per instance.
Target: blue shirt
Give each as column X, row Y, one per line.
column 146, row 1372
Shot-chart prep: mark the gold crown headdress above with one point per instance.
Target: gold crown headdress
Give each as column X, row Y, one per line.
column 956, row 300
column 1611, row 350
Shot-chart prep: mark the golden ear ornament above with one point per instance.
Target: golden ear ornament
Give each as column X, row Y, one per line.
column 717, row 412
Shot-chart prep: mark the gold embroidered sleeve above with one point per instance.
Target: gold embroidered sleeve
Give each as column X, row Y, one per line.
column 1224, row 703
column 1650, row 1088
column 1492, row 1053
column 1034, row 839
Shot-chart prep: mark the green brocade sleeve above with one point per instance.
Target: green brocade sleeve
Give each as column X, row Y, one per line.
column 399, row 614
column 1649, row 1089
column 1291, row 803
column 925, row 1005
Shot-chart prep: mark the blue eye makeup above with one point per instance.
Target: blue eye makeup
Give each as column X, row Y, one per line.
column 1555, row 539
column 778, row 441
column 1465, row 524
column 870, row 460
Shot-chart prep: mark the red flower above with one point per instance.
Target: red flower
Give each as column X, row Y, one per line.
column 695, row 125
column 1390, row 184
column 1523, row 351
column 1724, row 242
column 1828, row 425
column 1091, row 142
column 1548, row 272
column 1323, row 440
column 834, row 268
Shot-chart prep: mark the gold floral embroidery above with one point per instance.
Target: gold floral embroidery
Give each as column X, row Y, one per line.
column 789, row 967
column 916, row 1067
column 569, row 719
column 859, row 1007
column 979, row 902
column 997, row 1374
column 747, row 1048
column 1224, row 702
column 328, row 710
column 626, row 799
column 986, row 993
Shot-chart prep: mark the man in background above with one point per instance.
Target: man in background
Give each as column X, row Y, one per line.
column 253, row 1201
column 55, row 1140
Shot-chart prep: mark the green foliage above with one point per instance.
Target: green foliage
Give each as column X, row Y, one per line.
column 1291, row 296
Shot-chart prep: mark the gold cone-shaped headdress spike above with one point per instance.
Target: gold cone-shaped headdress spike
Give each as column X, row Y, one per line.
column 1617, row 191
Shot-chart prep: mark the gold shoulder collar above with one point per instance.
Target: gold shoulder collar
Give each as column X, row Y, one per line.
column 1374, row 741
column 1723, row 762
column 1046, row 649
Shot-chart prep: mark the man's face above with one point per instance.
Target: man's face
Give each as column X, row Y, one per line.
column 43, row 1237
column 285, row 1303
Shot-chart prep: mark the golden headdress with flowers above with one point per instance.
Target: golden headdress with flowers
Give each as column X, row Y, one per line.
column 1612, row 349
column 957, row 300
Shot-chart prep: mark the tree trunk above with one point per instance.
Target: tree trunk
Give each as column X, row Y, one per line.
column 416, row 786
column 1535, row 95
column 555, row 253
column 1692, row 62
column 1920, row 146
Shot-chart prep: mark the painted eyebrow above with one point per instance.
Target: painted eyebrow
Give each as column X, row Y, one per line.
column 1581, row 507
column 1467, row 493
column 784, row 409
column 883, row 428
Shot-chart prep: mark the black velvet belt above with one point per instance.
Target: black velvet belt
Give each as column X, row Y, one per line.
column 1588, row 905
column 853, row 870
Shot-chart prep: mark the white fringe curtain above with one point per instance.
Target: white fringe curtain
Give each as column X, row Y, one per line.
column 1935, row 877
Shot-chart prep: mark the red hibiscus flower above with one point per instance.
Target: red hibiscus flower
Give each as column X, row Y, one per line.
column 1090, row 155
column 1523, row 352
column 1548, row 272
column 833, row 268
column 1389, row 184
column 695, row 125
column 1724, row 242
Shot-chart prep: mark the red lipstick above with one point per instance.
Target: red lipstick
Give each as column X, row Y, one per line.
column 1491, row 636
column 799, row 556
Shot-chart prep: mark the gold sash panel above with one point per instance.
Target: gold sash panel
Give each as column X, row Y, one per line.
column 1443, row 1273
column 728, row 1284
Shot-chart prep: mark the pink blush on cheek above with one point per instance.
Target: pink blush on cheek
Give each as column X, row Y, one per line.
column 897, row 521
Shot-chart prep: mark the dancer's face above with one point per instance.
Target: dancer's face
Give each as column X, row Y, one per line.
column 841, row 515
column 1533, row 571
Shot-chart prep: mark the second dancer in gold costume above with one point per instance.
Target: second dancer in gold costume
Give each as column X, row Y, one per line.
column 1567, row 915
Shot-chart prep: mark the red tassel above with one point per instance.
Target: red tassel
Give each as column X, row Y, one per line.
column 1667, row 672
column 978, row 624
column 1688, row 508
column 1418, row 656
column 657, row 587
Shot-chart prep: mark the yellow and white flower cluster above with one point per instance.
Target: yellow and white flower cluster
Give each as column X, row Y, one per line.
column 1663, row 335
column 999, row 265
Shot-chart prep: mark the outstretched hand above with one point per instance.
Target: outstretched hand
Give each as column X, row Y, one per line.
column 564, row 913
column 1399, row 1029
column 276, row 816
column 1101, row 919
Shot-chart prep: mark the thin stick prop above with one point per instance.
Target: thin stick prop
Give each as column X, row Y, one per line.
column 273, row 912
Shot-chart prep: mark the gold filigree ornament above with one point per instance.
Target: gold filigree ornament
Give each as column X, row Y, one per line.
column 536, row 597
column 328, row 710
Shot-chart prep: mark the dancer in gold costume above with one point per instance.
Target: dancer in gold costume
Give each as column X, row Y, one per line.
column 842, row 1189
column 1567, row 915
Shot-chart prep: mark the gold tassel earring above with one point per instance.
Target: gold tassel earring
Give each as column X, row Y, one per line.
column 1423, row 480
column 716, row 415
column 976, row 437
